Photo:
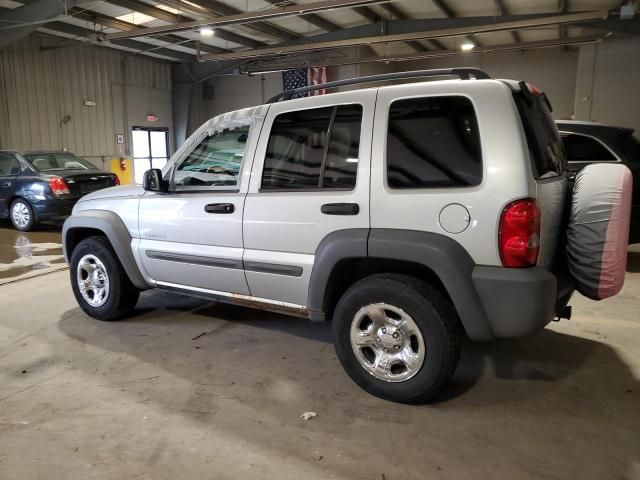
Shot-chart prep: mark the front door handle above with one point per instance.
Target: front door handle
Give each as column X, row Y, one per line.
column 219, row 208
column 6, row 184
column 340, row 209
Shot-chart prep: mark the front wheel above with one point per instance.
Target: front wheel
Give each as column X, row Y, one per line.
column 397, row 337
column 100, row 284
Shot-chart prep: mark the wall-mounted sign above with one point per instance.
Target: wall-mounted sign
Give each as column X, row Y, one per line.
column 89, row 103
column 119, row 138
column 152, row 118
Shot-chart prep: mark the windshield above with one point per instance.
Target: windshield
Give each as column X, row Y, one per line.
column 49, row 162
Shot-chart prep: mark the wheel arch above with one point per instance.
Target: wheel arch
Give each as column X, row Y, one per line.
column 88, row 223
column 346, row 256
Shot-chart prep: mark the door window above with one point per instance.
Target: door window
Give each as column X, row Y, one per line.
column 316, row 148
column 215, row 163
column 581, row 148
column 150, row 149
column 433, row 142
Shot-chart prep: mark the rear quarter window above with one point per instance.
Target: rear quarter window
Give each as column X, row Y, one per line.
column 433, row 142
column 543, row 139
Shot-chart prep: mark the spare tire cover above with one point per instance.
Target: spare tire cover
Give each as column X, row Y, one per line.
column 598, row 231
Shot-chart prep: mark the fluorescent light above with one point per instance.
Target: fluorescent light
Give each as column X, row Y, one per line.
column 352, row 160
column 136, row 18
column 191, row 4
column 206, row 31
column 167, row 8
column 465, row 47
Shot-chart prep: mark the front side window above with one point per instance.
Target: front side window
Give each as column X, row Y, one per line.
column 433, row 142
column 50, row 162
column 316, row 148
column 215, row 163
column 580, row 148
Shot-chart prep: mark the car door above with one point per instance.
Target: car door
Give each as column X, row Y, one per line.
column 9, row 170
column 191, row 237
column 310, row 178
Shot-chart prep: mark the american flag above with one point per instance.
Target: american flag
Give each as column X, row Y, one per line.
column 303, row 77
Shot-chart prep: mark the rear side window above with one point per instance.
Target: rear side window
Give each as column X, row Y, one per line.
column 8, row 165
column 580, row 148
column 433, row 142
column 316, row 148
column 543, row 139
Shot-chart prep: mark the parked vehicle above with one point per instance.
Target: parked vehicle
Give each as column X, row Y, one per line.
column 409, row 215
column 590, row 142
column 45, row 185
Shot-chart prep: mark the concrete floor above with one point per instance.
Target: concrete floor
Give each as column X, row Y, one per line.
column 187, row 389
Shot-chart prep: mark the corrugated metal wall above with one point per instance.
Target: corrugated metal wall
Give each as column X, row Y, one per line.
column 42, row 94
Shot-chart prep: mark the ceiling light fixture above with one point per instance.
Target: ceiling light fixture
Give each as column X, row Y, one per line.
column 467, row 46
column 206, row 32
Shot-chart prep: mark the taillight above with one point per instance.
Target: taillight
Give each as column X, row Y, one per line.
column 117, row 179
column 519, row 234
column 58, row 186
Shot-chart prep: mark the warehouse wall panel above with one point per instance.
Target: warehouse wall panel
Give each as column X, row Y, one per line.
column 44, row 86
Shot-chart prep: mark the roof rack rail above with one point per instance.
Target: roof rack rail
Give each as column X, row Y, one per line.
column 464, row 73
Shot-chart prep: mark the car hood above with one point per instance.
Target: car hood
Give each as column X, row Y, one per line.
column 115, row 192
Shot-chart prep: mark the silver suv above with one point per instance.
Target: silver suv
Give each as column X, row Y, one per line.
column 409, row 215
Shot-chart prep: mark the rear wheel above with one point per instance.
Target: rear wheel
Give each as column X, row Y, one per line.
column 397, row 337
column 22, row 216
column 100, row 284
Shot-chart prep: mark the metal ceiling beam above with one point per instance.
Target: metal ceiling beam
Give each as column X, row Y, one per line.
column 563, row 7
column 141, row 47
column 340, row 61
column 270, row 29
column 314, row 19
column 162, row 15
column 403, row 37
column 394, row 11
column 449, row 13
column 503, row 10
column 20, row 22
column 254, row 17
column 111, row 22
column 147, row 9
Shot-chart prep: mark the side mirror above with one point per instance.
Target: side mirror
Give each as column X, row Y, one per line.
column 152, row 181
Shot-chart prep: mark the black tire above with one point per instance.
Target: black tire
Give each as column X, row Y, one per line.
column 32, row 222
column 430, row 311
column 122, row 296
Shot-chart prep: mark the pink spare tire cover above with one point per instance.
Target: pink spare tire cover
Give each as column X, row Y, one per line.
column 598, row 231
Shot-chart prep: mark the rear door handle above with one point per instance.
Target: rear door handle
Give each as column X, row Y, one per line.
column 6, row 184
column 219, row 208
column 340, row 209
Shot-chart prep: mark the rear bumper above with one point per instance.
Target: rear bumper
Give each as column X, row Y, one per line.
column 53, row 207
column 517, row 301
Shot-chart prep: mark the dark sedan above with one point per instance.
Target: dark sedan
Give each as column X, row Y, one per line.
column 44, row 185
column 590, row 142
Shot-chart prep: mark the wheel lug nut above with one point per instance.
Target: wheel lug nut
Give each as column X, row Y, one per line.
column 384, row 330
column 378, row 339
column 396, row 335
column 397, row 347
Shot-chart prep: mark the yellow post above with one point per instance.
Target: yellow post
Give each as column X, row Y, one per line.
column 123, row 167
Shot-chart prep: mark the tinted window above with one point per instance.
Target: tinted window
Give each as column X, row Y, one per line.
column 433, row 142
column 315, row 148
column 580, row 148
column 8, row 165
column 544, row 142
column 46, row 162
column 215, row 162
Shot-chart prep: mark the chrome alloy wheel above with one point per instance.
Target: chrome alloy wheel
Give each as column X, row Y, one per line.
column 387, row 342
column 20, row 214
column 93, row 280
